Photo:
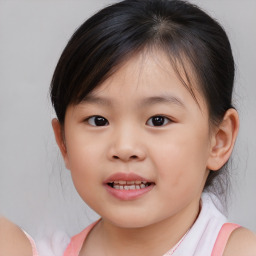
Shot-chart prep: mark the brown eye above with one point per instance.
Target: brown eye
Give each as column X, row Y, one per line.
column 97, row 121
column 158, row 121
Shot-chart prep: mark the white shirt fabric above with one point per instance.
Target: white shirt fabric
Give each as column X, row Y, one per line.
column 54, row 245
column 201, row 238
column 199, row 241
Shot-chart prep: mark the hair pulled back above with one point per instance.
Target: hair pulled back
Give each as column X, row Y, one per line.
column 182, row 30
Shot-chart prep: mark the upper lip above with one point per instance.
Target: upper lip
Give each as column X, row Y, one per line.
column 125, row 177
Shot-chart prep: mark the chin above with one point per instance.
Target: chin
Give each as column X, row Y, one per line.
column 130, row 221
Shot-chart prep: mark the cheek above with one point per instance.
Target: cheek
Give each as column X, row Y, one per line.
column 81, row 149
column 85, row 169
column 182, row 160
column 84, row 161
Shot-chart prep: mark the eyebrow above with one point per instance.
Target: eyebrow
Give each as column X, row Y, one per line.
column 170, row 99
column 96, row 100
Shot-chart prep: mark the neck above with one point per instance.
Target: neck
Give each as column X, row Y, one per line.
column 155, row 239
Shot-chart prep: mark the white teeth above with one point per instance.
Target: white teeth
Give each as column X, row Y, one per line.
column 129, row 187
column 124, row 182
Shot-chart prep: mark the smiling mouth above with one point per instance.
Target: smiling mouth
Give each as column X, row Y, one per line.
column 129, row 185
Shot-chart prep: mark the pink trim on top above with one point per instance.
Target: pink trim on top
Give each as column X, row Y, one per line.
column 32, row 243
column 222, row 238
column 77, row 241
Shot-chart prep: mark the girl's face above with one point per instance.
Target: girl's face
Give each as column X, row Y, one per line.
column 138, row 146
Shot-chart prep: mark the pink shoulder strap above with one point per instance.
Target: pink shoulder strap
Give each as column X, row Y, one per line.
column 33, row 245
column 222, row 238
column 77, row 241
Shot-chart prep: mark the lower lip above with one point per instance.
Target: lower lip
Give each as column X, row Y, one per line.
column 128, row 194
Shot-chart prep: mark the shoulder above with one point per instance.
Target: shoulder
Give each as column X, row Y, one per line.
column 11, row 235
column 241, row 242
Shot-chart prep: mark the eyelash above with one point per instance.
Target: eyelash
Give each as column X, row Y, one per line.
column 165, row 120
column 104, row 122
column 101, row 119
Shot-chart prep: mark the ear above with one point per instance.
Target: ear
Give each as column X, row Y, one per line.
column 223, row 140
column 59, row 137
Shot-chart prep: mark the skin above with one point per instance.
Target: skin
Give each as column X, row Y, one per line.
column 176, row 156
column 241, row 242
column 11, row 235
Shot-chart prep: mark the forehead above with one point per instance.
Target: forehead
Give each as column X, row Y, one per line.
column 148, row 74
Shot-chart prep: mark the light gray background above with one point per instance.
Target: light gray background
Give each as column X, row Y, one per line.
column 35, row 188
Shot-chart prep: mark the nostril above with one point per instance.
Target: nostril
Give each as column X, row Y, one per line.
column 131, row 157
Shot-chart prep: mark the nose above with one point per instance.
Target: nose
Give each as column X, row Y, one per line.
column 126, row 146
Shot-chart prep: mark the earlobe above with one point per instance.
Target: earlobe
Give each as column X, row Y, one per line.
column 223, row 140
column 59, row 137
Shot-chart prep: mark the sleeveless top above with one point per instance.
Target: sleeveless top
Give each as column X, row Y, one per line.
column 207, row 237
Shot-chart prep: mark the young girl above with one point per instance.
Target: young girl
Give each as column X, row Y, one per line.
column 142, row 94
column 145, row 124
